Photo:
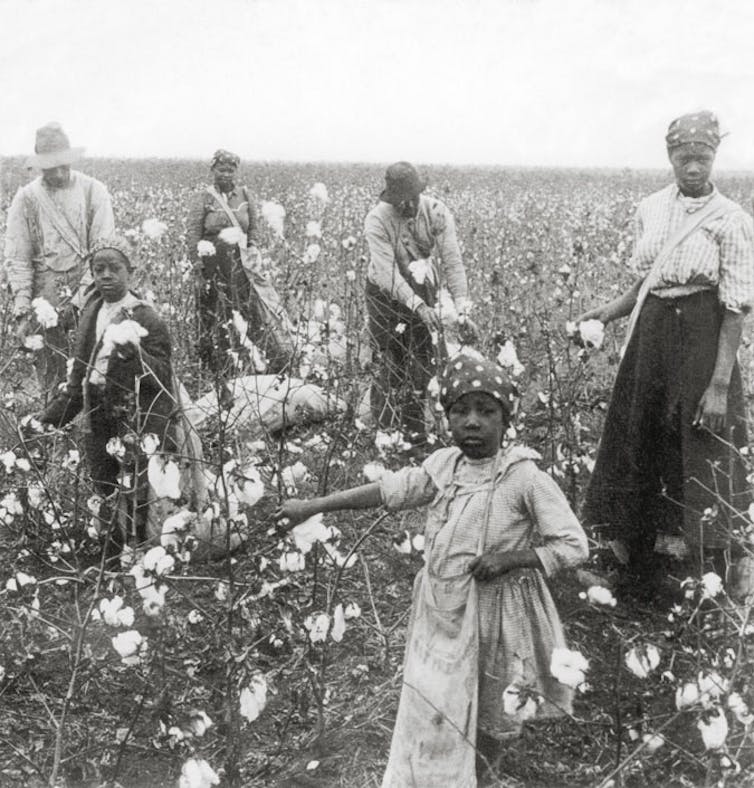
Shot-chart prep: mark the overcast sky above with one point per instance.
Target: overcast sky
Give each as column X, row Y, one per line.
column 517, row 82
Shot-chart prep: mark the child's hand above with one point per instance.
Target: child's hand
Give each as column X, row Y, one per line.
column 492, row 565
column 292, row 512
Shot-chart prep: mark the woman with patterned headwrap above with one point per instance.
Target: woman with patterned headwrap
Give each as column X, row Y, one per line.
column 667, row 460
column 236, row 304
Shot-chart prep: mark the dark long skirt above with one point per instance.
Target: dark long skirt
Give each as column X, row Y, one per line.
column 404, row 363
column 654, row 471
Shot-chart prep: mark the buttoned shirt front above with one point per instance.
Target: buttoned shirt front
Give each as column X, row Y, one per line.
column 719, row 254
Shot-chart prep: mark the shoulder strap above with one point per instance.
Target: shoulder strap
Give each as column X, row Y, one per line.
column 225, row 207
column 716, row 208
column 59, row 221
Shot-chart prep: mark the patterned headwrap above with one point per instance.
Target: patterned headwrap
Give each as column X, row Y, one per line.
column 465, row 373
column 120, row 244
column 224, row 157
column 702, row 127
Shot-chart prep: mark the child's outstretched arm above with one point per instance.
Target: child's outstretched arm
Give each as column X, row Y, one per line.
column 296, row 510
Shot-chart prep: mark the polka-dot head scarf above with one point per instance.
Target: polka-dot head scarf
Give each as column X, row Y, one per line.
column 224, row 157
column 702, row 127
column 464, row 374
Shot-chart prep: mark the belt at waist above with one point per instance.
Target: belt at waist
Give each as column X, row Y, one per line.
column 680, row 291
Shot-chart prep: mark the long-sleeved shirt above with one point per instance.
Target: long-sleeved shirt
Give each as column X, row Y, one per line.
column 33, row 245
column 394, row 241
column 206, row 219
column 718, row 254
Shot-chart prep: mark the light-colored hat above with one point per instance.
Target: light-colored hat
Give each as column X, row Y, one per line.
column 120, row 244
column 53, row 148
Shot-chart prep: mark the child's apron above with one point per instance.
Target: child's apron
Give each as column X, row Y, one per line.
column 434, row 738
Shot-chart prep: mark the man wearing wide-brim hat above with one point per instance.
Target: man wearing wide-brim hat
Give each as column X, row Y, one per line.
column 53, row 222
column 413, row 253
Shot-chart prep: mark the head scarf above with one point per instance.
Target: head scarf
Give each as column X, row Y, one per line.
column 222, row 156
column 120, row 244
column 702, row 127
column 464, row 373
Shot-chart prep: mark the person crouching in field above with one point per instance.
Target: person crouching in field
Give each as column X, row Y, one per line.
column 404, row 231
column 482, row 617
column 121, row 377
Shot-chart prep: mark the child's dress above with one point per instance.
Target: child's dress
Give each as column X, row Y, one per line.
column 467, row 641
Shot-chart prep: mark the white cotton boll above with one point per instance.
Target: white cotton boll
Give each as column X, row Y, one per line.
column 153, row 228
column 571, row 328
column 338, row 624
column 711, row 687
column 164, row 477
column 274, row 214
column 319, row 193
column 714, row 729
column 592, row 333
column 311, row 254
column 44, row 312
column 199, row 722
column 712, row 585
column 34, row 342
column 686, row 696
column 124, row 333
column 568, row 667
column 158, row 561
column 175, row 528
column 292, row 561
column 253, row 698
column 115, row 448
column 231, row 235
column 599, row 595
column 205, row 249
column 508, row 358
column 520, row 705
column 374, row 471
column 197, row 773
column 222, row 590
column 36, row 495
column 642, row 660
column 310, row 531
column 295, row 474
column 153, row 599
column 130, row 645
column 249, row 487
column 8, row 459
column 313, row 230
column 150, row 443
column 421, row 271
column 348, row 243
column 317, row 627
column 337, row 557
column 652, row 742
column 352, row 610
column 417, row 543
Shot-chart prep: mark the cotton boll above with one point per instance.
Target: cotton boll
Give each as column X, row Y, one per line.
column 253, row 698
column 568, row 667
column 338, row 624
column 714, row 729
column 44, row 312
column 592, row 333
column 231, row 235
column 197, row 773
column 205, row 249
column 642, row 660
column 164, row 477
column 153, row 228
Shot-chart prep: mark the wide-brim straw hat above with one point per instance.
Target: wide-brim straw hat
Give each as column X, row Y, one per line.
column 53, row 148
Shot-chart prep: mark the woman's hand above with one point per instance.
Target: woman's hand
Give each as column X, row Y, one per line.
column 712, row 408
column 491, row 565
column 294, row 511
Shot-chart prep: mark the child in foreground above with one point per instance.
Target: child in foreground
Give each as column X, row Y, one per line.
column 123, row 384
column 482, row 617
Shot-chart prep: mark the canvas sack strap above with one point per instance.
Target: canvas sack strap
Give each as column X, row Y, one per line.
column 228, row 212
column 59, row 221
column 716, row 208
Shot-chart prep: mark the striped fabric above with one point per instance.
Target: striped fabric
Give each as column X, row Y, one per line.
column 518, row 623
column 720, row 254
